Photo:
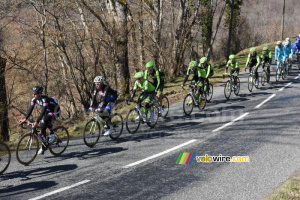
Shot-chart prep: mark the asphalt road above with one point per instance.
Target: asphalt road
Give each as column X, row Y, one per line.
column 143, row 165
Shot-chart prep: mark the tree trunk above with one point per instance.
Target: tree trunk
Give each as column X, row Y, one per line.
column 4, row 122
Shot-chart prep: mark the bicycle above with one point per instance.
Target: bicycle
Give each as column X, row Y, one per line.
column 265, row 76
column 190, row 101
column 252, row 80
column 165, row 105
column 28, row 145
column 96, row 126
column 139, row 114
column 280, row 72
column 5, row 157
column 209, row 93
column 230, row 86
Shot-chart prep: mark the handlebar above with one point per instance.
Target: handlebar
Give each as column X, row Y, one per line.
column 28, row 124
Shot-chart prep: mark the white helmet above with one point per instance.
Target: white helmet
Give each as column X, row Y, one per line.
column 278, row 42
column 286, row 43
column 287, row 39
column 99, row 79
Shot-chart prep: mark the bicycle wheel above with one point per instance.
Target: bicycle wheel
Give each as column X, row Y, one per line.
column 116, row 126
column 165, row 107
column 238, row 84
column 256, row 86
column 133, row 120
column 27, row 149
column 209, row 93
column 152, row 116
column 227, row 89
column 263, row 78
column 283, row 74
column 202, row 101
column 61, row 141
column 5, row 157
column 91, row 132
column 250, row 83
column 277, row 75
column 188, row 104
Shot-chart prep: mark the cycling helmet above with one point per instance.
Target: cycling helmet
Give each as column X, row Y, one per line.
column 192, row 64
column 232, row 56
column 286, row 43
column 99, row 79
column 37, row 90
column 149, row 64
column 265, row 48
column 139, row 75
column 278, row 42
column 203, row 60
column 252, row 50
column 287, row 39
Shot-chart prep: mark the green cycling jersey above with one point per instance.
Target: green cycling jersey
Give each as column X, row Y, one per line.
column 144, row 85
column 231, row 65
column 254, row 59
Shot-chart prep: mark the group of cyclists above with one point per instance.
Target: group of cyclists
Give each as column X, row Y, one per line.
column 153, row 89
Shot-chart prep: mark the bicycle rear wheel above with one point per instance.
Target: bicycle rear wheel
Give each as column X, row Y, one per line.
column 188, row 104
column 277, row 75
column 202, row 101
column 250, row 83
column 238, row 84
column 165, row 107
column 227, row 89
column 116, row 126
column 91, row 133
column 61, row 141
column 209, row 93
column 27, row 149
column 133, row 120
column 263, row 78
column 152, row 116
column 283, row 73
column 5, row 157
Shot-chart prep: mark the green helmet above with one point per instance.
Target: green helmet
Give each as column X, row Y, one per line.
column 139, row 75
column 203, row 60
column 192, row 64
column 149, row 64
column 252, row 50
column 232, row 56
column 265, row 48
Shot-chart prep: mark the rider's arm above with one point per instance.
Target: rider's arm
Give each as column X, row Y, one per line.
column 158, row 79
column 146, row 75
column 208, row 70
column 32, row 104
column 93, row 102
column 227, row 65
column 258, row 60
column 44, row 109
column 248, row 59
column 276, row 53
column 186, row 76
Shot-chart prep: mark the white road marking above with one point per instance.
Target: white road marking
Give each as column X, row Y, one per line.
column 296, row 77
column 160, row 154
column 229, row 123
column 60, row 190
column 262, row 103
column 290, row 83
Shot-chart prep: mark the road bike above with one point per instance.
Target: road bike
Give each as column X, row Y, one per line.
column 230, row 86
column 140, row 114
column 209, row 92
column 281, row 71
column 97, row 126
column 5, row 157
column 265, row 76
column 190, row 101
column 28, row 146
column 252, row 80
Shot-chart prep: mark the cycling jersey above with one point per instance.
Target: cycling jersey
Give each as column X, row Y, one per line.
column 156, row 76
column 144, row 85
column 253, row 60
column 48, row 104
column 107, row 95
column 234, row 65
column 266, row 57
column 279, row 53
column 209, row 70
column 288, row 52
column 195, row 74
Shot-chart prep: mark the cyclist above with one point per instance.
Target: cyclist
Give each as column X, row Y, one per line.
column 288, row 54
column 208, row 68
column 108, row 97
column 235, row 69
column 266, row 57
column 279, row 54
column 253, row 61
column 158, row 78
column 148, row 93
column 191, row 70
column 50, row 111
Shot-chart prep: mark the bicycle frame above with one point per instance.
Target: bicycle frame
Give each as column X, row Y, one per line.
column 35, row 132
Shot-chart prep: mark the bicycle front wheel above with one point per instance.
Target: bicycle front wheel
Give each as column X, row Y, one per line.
column 238, row 85
column 152, row 116
column 188, row 104
column 61, row 141
column 227, row 89
column 250, row 83
column 5, row 157
column 165, row 107
column 202, row 101
column 91, row 133
column 209, row 93
column 283, row 74
column 133, row 121
column 27, row 149
column 263, row 78
column 116, row 126
column 277, row 75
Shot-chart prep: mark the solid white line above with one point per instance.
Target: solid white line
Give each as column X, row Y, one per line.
column 229, row 123
column 160, row 154
column 262, row 103
column 60, row 190
column 290, row 83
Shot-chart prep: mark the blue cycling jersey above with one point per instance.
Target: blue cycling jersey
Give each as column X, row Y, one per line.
column 279, row 53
